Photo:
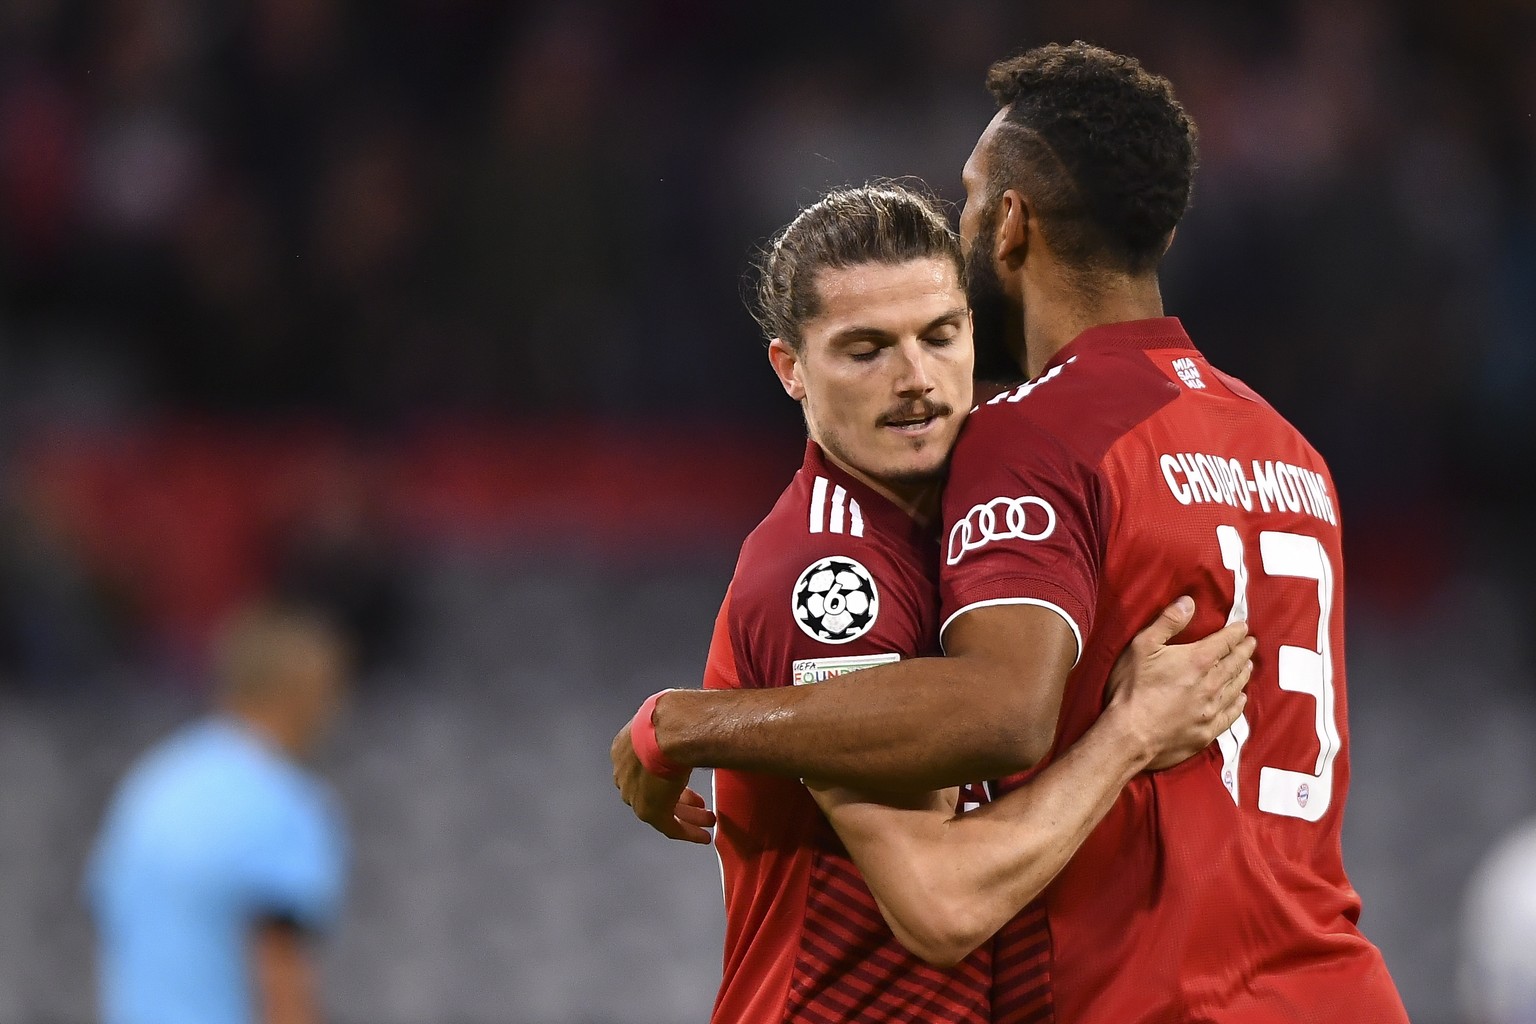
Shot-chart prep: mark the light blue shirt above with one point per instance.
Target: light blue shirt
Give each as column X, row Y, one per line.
column 211, row 831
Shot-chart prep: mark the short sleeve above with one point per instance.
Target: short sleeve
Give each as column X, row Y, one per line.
column 294, row 866
column 813, row 611
column 1021, row 523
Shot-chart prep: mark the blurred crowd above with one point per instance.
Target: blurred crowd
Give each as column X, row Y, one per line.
column 379, row 215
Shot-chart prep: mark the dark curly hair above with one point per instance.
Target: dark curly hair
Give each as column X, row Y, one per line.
column 1102, row 148
column 883, row 222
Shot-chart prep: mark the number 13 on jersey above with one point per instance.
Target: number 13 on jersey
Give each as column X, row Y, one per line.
column 1307, row 672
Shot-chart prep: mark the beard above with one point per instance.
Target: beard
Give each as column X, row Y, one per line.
column 903, row 478
column 994, row 319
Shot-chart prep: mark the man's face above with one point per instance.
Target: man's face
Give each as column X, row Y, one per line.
column 992, row 309
column 884, row 370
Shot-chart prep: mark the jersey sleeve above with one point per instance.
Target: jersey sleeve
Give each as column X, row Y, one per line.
column 809, row 611
column 1022, row 523
column 294, row 865
column 720, row 671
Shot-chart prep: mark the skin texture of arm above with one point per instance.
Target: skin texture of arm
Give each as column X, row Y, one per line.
column 944, row 882
column 283, row 972
column 985, row 711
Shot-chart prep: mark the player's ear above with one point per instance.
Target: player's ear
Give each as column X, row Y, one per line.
column 786, row 363
column 1016, row 221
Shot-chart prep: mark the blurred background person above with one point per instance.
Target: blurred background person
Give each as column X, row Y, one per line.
column 221, row 856
column 1498, row 934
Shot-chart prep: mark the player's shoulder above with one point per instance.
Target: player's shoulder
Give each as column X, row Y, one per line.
column 816, row 518
column 824, row 511
column 823, row 538
column 226, row 759
column 1082, row 406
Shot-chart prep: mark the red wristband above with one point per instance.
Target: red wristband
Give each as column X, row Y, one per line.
column 642, row 735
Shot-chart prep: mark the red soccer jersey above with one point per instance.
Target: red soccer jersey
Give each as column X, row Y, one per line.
column 1130, row 472
column 837, row 578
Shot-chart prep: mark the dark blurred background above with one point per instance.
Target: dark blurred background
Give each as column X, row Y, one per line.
column 429, row 310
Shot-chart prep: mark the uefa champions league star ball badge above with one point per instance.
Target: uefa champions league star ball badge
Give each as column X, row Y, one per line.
column 835, row 600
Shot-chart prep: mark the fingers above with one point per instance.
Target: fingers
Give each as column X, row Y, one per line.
column 688, row 821
column 1230, row 665
column 1219, row 644
column 690, row 810
column 1223, row 684
column 1169, row 624
column 1238, row 681
column 1235, row 669
column 700, row 816
column 1228, row 715
column 684, row 832
column 680, row 815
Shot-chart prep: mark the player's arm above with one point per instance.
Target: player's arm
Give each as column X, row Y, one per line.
column 985, row 711
column 283, row 972
column 291, row 868
column 988, row 710
column 946, row 882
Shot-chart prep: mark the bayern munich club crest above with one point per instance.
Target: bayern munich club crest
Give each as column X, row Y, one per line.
column 835, row 600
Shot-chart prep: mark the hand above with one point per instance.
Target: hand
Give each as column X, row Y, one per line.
column 1178, row 699
column 667, row 805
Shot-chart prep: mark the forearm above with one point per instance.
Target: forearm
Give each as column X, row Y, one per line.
column 1005, row 853
column 284, row 976
column 922, row 724
column 946, row 883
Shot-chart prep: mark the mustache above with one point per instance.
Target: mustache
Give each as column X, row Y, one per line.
column 922, row 409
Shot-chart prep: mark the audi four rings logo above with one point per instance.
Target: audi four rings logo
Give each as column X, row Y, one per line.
column 1001, row 519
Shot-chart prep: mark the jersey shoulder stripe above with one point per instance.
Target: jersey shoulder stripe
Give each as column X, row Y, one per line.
column 1082, row 407
column 834, row 513
column 1023, row 391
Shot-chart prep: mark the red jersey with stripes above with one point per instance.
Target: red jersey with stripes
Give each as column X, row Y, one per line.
column 836, row 578
column 1130, row 472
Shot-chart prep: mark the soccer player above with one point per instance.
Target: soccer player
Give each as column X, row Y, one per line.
column 863, row 301
column 1128, row 470
column 221, row 856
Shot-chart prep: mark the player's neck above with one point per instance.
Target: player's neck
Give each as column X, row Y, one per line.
column 274, row 730
column 920, row 501
column 1055, row 318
